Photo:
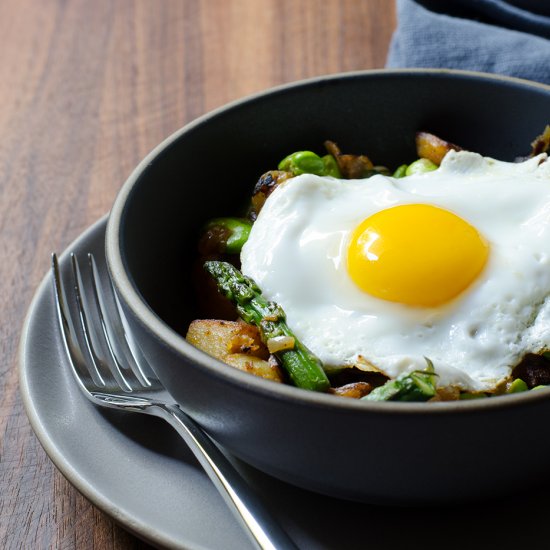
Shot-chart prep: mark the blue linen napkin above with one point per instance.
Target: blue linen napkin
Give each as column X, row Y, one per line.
column 507, row 37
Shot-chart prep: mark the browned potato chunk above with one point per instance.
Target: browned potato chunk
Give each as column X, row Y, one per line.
column 432, row 147
column 235, row 343
column 254, row 365
column 220, row 338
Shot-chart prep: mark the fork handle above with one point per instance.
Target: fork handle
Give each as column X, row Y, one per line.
column 260, row 525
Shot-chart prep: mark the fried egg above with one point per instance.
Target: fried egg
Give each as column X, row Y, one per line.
column 451, row 265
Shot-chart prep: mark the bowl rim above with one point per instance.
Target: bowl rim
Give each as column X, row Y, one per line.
column 151, row 321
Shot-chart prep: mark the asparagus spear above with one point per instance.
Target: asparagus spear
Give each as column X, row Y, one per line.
column 304, row 368
column 415, row 386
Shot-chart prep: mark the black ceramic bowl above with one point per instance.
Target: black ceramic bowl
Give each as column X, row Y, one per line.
column 381, row 452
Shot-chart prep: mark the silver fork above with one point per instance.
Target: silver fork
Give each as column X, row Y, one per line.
column 111, row 372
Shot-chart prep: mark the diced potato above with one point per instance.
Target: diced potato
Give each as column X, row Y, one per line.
column 220, row 338
column 254, row 365
column 432, row 147
column 235, row 343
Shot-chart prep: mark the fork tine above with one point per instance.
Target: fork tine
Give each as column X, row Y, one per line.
column 113, row 337
column 140, row 364
column 70, row 341
column 110, row 365
column 113, row 365
column 95, row 366
column 101, row 372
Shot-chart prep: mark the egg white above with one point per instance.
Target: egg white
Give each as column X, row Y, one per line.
column 297, row 254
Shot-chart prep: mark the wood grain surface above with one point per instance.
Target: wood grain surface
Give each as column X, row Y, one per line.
column 87, row 88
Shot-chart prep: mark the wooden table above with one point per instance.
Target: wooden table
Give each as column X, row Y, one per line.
column 86, row 90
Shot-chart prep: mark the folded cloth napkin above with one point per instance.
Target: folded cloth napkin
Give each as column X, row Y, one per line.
column 507, row 37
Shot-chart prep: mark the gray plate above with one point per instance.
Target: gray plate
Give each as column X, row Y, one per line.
column 138, row 471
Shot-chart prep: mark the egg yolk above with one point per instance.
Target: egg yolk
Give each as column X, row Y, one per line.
column 416, row 254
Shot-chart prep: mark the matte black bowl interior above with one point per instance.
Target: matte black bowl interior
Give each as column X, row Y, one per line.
column 383, row 452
